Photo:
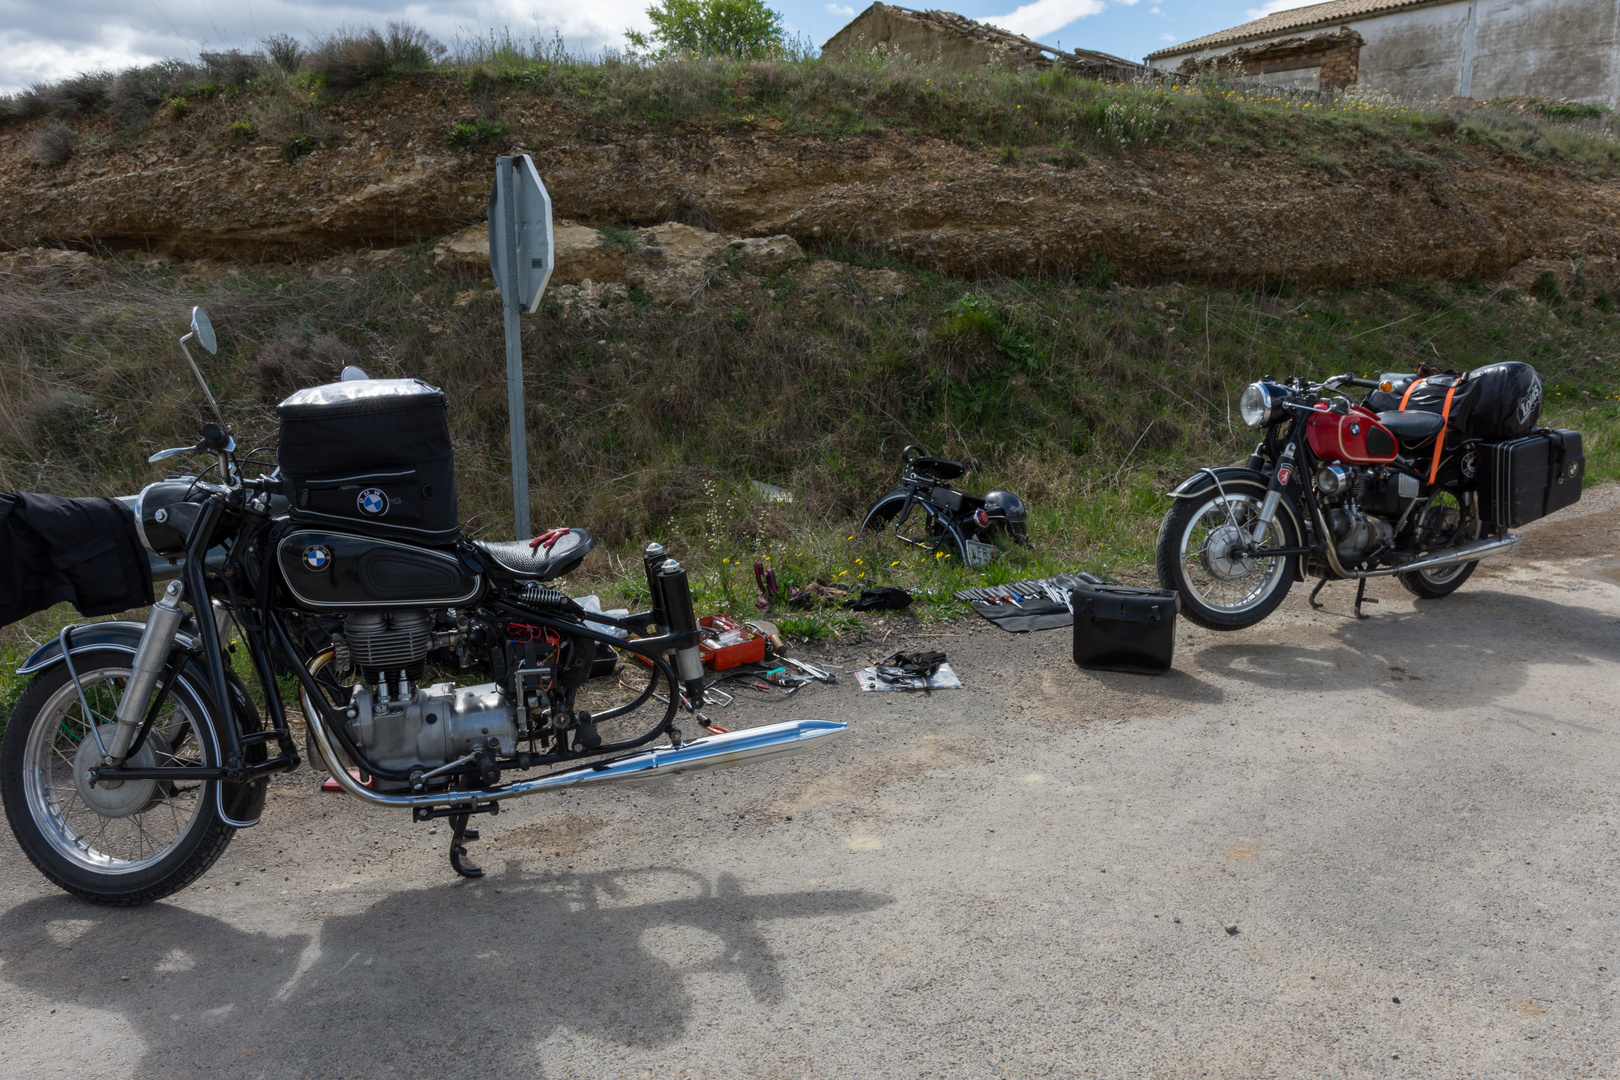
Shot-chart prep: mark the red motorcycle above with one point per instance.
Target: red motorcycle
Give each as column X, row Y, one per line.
column 1419, row 481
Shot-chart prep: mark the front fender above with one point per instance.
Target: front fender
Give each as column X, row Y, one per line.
column 1236, row 478
column 239, row 804
column 124, row 636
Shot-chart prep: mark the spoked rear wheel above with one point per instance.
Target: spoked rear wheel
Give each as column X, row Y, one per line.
column 1200, row 556
column 124, row 845
column 1446, row 521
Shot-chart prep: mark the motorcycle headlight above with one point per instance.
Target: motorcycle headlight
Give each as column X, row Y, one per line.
column 1261, row 404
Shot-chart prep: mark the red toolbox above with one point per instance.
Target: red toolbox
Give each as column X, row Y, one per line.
column 736, row 646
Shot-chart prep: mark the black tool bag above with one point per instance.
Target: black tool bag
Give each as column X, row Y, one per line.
column 372, row 456
column 1506, row 401
column 1522, row 480
column 1123, row 628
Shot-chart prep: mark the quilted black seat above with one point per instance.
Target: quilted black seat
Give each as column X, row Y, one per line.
column 513, row 560
column 1412, row 427
column 937, row 468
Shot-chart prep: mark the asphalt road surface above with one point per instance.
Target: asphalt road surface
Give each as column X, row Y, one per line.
column 1410, row 821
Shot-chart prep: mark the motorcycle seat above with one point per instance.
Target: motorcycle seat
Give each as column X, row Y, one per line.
column 937, row 468
column 1410, row 427
column 513, row 560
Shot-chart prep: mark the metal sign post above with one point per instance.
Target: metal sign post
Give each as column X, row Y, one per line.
column 520, row 255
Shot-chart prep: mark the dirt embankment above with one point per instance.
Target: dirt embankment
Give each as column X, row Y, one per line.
column 1211, row 216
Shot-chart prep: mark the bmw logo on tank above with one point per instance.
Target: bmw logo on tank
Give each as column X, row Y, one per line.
column 317, row 557
column 373, row 502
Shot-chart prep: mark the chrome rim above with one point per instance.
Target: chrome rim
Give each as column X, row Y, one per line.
column 90, row 840
column 1211, row 574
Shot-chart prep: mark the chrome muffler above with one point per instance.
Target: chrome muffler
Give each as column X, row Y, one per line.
column 1462, row 553
column 700, row 755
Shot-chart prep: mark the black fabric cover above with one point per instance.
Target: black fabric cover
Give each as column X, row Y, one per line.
column 1378, row 401
column 85, row 552
column 883, row 598
column 1507, row 401
column 371, row 455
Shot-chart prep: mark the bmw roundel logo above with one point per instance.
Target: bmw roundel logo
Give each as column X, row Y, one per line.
column 373, row 502
column 1355, row 429
column 317, row 557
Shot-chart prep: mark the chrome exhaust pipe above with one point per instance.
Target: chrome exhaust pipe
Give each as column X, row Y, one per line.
column 1462, row 553
column 700, row 755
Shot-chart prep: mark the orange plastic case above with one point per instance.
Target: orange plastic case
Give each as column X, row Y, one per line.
column 749, row 650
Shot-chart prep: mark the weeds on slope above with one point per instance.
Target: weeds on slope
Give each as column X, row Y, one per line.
column 1049, row 115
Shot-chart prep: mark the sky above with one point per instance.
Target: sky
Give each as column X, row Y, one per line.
column 45, row 40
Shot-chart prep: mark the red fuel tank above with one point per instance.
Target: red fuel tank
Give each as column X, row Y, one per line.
column 1357, row 438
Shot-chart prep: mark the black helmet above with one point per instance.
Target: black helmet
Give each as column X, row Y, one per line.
column 1010, row 505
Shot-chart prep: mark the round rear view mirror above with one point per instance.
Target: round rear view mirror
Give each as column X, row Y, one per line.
column 204, row 330
column 353, row 374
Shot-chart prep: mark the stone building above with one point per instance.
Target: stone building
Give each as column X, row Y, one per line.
column 1423, row 49
column 957, row 43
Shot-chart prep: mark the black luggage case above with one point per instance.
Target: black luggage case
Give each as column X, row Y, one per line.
column 1525, row 479
column 1123, row 628
column 372, row 456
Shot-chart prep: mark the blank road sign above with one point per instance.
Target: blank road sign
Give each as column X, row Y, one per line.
column 520, row 248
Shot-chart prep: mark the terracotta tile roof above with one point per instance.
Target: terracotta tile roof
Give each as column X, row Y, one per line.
column 1281, row 22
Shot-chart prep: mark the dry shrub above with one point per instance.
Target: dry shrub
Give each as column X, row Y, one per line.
column 58, row 417
column 55, row 143
column 351, row 58
column 292, row 363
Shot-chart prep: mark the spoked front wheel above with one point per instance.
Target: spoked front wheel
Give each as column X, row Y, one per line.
column 127, row 844
column 1202, row 555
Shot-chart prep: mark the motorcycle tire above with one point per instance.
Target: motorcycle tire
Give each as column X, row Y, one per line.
column 1213, row 593
column 118, row 847
column 950, row 541
column 1422, row 583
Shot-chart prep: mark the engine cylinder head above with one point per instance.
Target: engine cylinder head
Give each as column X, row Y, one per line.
column 385, row 643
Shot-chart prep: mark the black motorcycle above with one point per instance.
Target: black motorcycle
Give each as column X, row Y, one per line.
column 137, row 750
column 949, row 520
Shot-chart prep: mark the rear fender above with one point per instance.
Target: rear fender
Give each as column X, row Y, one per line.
column 885, row 513
column 1234, row 479
column 239, row 804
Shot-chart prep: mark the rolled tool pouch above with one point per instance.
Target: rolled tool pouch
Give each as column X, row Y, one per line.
column 1123, row 628
column 372, row 456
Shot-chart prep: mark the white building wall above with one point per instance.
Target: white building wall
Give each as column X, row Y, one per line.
column 1544, row 48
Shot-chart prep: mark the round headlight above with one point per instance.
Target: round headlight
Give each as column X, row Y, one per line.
column 1261, row 404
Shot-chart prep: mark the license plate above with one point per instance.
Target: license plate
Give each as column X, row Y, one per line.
column 978, row 554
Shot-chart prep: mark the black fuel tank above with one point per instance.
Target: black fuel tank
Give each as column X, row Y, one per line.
column 328, row 571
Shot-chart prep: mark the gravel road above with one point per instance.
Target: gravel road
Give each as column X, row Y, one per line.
column 1409, row 822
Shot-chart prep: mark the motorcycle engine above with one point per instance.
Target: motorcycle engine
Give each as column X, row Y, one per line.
column 1356, row 533
column 400, row 725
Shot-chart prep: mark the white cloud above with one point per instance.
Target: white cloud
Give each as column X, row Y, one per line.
column 1169, row 37
column 1044, row 16
column 1271, row 7
column 844, row 10
column 45, row 40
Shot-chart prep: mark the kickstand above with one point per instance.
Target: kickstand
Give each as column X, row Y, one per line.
column 459, row 834
column 1320, row 585
column 1361, row 594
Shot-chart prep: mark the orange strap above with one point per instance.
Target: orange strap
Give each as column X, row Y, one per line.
column 1408, row 395
column 1440, row 439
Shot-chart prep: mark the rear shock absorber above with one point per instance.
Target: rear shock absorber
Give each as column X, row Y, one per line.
column 672, row 596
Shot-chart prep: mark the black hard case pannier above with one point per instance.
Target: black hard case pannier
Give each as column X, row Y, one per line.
column 372, row 456
column 1123, row 628
column 1522, row 480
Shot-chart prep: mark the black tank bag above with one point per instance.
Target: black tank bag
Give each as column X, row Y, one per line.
column 372, row 456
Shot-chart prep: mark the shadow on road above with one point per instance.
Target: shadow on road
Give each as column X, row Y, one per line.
column 452, row 980
column 1463, row 651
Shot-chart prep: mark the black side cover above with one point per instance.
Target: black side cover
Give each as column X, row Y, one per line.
column 332, row 571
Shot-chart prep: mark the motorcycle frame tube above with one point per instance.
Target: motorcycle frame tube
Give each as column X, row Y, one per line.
column 331, row 725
